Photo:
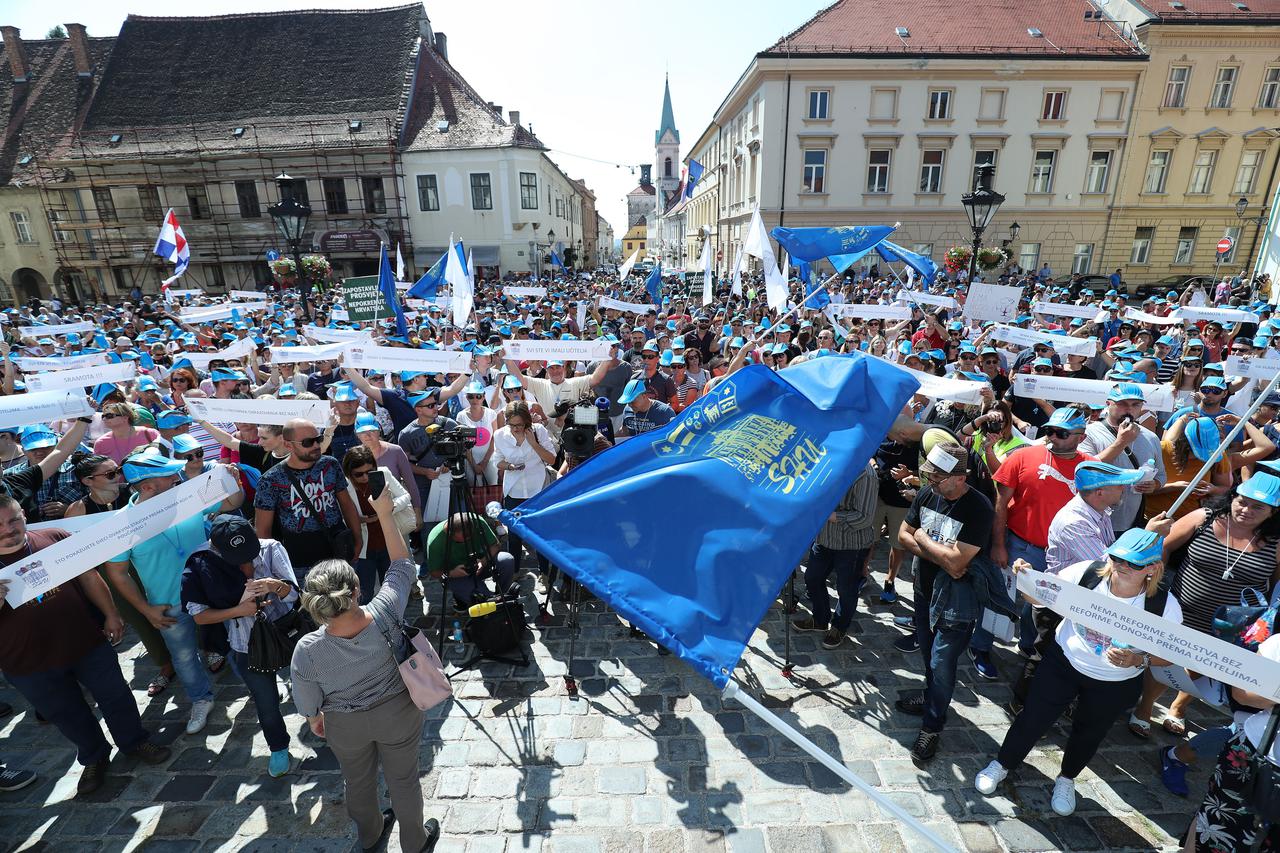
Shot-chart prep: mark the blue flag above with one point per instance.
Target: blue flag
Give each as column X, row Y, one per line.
column 555, row 259
column 653, row 284
column 387, row 285
column 922, row 264
column 745, row 478
column 695, row 174
column 811, row 244
column 425, row 287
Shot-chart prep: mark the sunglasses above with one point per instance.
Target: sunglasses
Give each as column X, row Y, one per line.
column 991, row 361
column 649, row 356
column 475, row 396
column 181, row 379
column 1057, row 432
column 966, row 356
column 1043, row 370
column 112, row 416
column 1212, row 391
column 196, row 454
column 517, row 424
column 307, row 442
column 110, row 475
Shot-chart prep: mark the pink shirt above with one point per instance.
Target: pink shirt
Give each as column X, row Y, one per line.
column 109, row 445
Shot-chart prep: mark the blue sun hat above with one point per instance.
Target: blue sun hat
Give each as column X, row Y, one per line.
column 1261, row 487
column 1095, row 475
column 1203, row 436
column 149, row 464
column 634, row 389
column 366, row 422
column 1137, row 546
column 1066, row 418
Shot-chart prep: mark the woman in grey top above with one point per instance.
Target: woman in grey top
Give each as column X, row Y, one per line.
column 345, row 681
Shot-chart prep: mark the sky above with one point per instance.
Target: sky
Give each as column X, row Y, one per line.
column 587, row 76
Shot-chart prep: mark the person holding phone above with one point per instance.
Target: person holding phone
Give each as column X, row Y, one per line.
column 364, row 480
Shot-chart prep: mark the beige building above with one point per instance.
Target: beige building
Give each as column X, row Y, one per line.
column 1205, row 135
column 604, row 240
column 635, row 240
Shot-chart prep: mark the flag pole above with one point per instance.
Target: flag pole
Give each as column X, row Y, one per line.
column 1222, row 448
column 733, row 691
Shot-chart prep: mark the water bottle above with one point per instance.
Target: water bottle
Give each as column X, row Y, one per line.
column 1148, row 471
column 457, row 636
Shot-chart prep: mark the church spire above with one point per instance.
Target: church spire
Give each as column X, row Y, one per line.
column 668, row 118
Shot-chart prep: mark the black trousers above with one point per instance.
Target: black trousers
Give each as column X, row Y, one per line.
column 1055, row 685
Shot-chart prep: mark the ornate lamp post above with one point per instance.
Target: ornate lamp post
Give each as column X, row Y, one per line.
column 980, row 206
column 1242, row 206
column 290, row 216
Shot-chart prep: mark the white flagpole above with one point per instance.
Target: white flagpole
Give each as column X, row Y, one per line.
column 733, row 691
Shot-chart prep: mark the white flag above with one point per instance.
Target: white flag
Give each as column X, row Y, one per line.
column 399, row 264
column 705, row 263
column 737, row 272
column 630, row 262
column 463, row 296
column 758, row 246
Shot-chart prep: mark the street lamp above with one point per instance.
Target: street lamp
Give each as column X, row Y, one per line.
column 980, row 206
column 291, row 217
column 1242, row 206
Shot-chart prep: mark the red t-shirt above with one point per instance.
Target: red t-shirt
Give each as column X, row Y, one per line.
column 1042, row 484
column 931, row 335
column 53, row 631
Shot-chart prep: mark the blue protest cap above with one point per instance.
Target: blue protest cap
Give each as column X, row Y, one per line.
column 677, row 342
column 146, row 383
column 1024, row 318
column 955, row 326
column 925, row 355
column 1260, row 342
column 613, row 339
column 1078, row 321
column 1214, row 382
column 781, row 327
column 227, row 336
column 511, row 383
column 1042, row 362
column 1095, row 475
column 975, row 377
column 366, row 422
column 1125, row 391
column 226, row 374
column 665, row 358
column 778, row 348
column 477, row 387
column 938, row 355
column 904, row 348
column 37, row 436
column 343, row 392
column 557, row 363
column 73, row 338
column 671, row 325
column 740, row 342
column 408, row 375
column 183, row 443
column 634, row 389
column 398, row 339
column 1066, row 418
column 287, row 391
column 1203, row 436
column 102, row 391
column 1137, row 546
column 1166, row 340
column 1261, row 487
column 421, row 397
column 148, row 464
column 172, row 419
column 1195, row 342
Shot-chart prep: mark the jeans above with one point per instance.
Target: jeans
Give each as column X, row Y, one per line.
column 183, row 640
column 1019, row 549
column 941, row 649
column 57, row 695
column 515, row 543
column 371, row 570
column 265, row 693
column 464, row 589
column 849, row 578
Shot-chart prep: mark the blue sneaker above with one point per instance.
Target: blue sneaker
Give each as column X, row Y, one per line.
column 889, row 596
column 984, row 665
column 1173, row 773
column 279, row 763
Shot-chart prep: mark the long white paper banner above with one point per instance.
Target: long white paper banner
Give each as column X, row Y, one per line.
column 1064, row 344
column 251, row 295
column 867, row 311
column 260, row 411
column 1159, row 398
column 82, row 377
column 191, row 291
column 369, row 357
column 1143, row 317
column 200, row 360
column 81, row 552
column 32, row 364
column 339, row 313
column 946, row 388
column 992, row 302
column 1187, row 647
column 1062, row 309
column 17, row 410
column 293, row 355
column 513, row 290
column 74, row 524
column 317, row 333
column 1222, row 315
column 1205, row 689
column 1254, row 368
column 221, row 312
column 557, row 350
column 62, row 329
column 923, row 298
column 626, row 307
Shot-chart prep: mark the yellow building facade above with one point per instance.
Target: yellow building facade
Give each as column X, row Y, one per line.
column 635, row 240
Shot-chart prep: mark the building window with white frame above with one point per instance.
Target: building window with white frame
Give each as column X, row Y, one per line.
column 1082, row 260
column 1157, row 172
column 815, row 170
column 528, row 190
column 1098, row 174
column 819, row 101
column 1054, row 107
column 932, row 161
column 1175, row 88
column 981, row 158
column 1234, row 233
column 428, row 193
column 56, row 217
column 481, row 191
column 1042, row 171
column 21, row 227
column 1269, row 97
column 1247, row 173
column 1224, row 87
column 939, row 104
column 1029, row 256
column 1185, row 249
column 879, row 161
column 1140, row 252
column 1202, row 172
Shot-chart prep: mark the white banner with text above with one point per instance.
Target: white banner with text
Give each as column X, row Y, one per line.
column 1159, row 398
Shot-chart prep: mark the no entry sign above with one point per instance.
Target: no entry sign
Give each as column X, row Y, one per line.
column 1224, row 245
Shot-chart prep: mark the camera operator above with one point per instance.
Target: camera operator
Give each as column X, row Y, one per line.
column 588, row 430
column 460, row 556
column 523, row 450
column 417, row 442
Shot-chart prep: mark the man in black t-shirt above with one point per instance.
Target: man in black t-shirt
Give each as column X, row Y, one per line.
column 947, row 526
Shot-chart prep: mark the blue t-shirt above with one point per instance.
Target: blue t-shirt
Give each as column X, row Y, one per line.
column 304, row 536
column 160, row 560
column 402, row 414
column 658, row 415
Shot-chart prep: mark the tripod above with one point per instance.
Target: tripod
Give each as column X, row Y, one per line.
column 462, row 510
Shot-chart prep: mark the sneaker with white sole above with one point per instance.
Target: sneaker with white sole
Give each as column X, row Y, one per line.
column 199, row 716
column 1064, row 796
column 989, row 778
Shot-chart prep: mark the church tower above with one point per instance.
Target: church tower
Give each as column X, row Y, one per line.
column 666, row 145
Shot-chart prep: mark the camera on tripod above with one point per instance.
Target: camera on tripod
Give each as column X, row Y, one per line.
column 582, row 421
column 453, row 443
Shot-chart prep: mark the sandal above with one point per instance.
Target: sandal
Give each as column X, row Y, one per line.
column 215, row 662
column 1139, row 728
column 158, row 685
column 1175, row 726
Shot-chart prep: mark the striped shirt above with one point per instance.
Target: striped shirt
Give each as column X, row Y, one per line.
column 338, row 674
column 853, row 528
column 1078, row 533
column 1203, row 583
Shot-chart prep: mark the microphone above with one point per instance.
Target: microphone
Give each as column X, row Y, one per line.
column 484, row 608
column 432, row 429
column 482, row 436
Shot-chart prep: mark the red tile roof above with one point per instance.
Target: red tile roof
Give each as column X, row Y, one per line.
column 943, row 28
column 1216, row 11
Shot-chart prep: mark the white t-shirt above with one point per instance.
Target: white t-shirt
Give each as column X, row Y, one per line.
column 1256, row 724
column 1086, row 648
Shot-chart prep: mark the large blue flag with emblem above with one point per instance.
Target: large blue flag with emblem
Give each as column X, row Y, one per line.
column 426, row 287
column 653, row 284
column 811, row 244
column 922, row 264
column 689, row 531
column 387, row 286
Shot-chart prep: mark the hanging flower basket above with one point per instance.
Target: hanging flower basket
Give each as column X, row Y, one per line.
column 285, row 271
column 957, row 258
column 316, row 269
column 991, row 257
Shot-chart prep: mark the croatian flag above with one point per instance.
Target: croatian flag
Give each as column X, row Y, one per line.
column 172, row 246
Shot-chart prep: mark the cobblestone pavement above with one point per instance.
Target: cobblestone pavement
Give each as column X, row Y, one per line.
column 647, row 759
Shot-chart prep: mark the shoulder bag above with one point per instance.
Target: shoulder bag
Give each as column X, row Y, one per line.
column 342, row 544
column 271, row 643
column 1263, row 792
column 419, row 666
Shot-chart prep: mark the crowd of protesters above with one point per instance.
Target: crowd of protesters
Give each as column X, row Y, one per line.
column 962, row 489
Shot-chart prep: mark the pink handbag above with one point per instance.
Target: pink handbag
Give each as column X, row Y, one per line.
column 420, row 668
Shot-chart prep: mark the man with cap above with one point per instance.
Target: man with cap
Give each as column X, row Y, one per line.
column 418, row 444
column 57, row 646
column 61, row 488
column 158, row 563
column 1117, row 438
column 45, row 458
column 642, row 411
column 557, row 388
column 947, row 526
column 346, row 405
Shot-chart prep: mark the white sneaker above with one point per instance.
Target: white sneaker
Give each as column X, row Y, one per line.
column 199, row 716
column 989, row 778
column 1064, row 796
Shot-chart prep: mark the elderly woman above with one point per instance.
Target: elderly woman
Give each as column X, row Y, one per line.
column 346, row 682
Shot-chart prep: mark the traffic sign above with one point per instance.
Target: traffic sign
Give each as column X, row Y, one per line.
column 1224, row 245
column 273, row 255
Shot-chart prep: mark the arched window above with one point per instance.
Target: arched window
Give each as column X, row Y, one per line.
column 666, row 168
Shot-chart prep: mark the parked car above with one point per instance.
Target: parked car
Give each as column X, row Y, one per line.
column 1178, row 283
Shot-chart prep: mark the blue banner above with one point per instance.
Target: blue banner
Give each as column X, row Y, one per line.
column 922, row 264
column 387, row 285
column 653, row 284
column 689, row 531
column 811, row 244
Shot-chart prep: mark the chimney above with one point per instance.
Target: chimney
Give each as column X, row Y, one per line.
column 80, row 47
column 497, row 108
column 17, row 56
column 515, row 118
column 442, row 46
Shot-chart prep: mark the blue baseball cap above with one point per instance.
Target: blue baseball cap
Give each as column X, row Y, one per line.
column 183, row 443
column 1214, row 382
column 149, row 464
column 1137, row 546
column 634, row 389
column 366, row 422
column 287, row 391
column 146, row 383
column 171, row 419
column 1125, row 391
column 1203, row 436
column 407, row 375
column 37, row 436
column 1261, row 487
column 1095, row 475
column 1066, row 418
column 343, row 392
column 1042, row 362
